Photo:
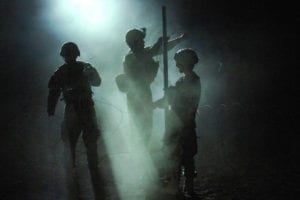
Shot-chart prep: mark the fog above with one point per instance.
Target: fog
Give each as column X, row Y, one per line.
column 237, row 51
column 99, row 30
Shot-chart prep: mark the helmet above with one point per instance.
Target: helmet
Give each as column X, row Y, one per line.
column 187, row 56
column 135, row 34
column 69, row 49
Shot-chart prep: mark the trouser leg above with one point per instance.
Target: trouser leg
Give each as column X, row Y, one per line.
column 90, row 137
column 189, row 151
column 189, row 166
column 93, row 164
column 70, row 168
column 70, row 133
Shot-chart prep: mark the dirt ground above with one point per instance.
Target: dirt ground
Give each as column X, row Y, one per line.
column 230, row 167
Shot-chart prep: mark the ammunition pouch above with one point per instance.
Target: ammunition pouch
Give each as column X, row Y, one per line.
column 122, row 82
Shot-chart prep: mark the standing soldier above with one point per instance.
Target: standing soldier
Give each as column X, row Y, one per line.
column 140, row 71
column 181, row 140
column 74, row 80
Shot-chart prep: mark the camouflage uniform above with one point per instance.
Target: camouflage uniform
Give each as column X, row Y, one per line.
column 141, row 70
column 79, row 114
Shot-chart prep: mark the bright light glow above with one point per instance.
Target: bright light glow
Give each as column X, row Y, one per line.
column 91, row 11
column 84, row 16
column 134, row 171
column 99, row 27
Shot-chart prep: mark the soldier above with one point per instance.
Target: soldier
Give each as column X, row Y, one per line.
column 74, row 80
column 140, row 69
column 181, row 140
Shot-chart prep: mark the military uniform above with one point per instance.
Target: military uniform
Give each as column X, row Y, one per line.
column 181, row 138
column 79, row 116
column 141, row 70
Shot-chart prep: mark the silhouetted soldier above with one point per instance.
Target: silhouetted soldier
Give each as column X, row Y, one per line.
column 74, row 80
column 141, row 69
column 181, row 140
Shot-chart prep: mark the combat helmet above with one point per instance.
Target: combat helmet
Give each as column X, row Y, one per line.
column 69, row 49
column 134, row 34
column 187, row 56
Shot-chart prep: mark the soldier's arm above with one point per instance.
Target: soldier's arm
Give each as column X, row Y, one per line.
column 54, row 93
column 193, row 97
column 167, row 99
column 92, row 75
column 156, row 49
column 131, row 68
column 174, row 42
column 160, row 103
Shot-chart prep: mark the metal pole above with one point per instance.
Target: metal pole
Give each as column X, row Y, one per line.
column 165, row 59
column 165, row 48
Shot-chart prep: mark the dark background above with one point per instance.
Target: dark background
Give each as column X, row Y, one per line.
column 255, row 153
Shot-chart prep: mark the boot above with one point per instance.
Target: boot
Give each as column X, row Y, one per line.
column 189, row 187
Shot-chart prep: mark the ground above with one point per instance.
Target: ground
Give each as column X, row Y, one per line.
column 228, row 169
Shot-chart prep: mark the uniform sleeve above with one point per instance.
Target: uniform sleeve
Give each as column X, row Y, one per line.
column 54, row 87
column 151, row 66
column 170, row 94
column 92, row 75
column 156, row 49
column 193, row 97
column 130, row 68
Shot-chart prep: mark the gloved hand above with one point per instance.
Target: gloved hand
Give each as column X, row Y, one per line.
column 183, row 36
column 160, row 39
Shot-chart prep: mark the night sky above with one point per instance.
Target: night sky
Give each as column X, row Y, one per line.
column 258, row 38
